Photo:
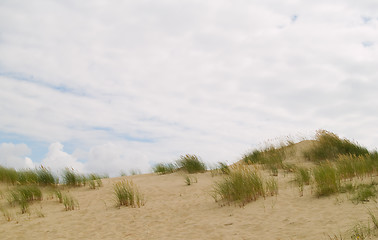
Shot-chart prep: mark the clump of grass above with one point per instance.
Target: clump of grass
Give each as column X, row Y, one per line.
column 302, row 178
column 45, row 177
column 69, row 202
column 364, row 193
column 271, row 157
column 327, row 179
column 164, row 168
column 127, row 194
column 219, row 169
column 350, row 166
column 271, row 187
column 23, row 195
column 224, row 168
column 94, row 181
column 191, row 164
column 328, row 146
column 8, row 175
column 361, row 232
column 58, row 195
column 27, row 177
column 72, row 178
column 241, row 186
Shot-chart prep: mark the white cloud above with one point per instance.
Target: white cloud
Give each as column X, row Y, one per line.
column 15, row 155
column 139, row 82
column 56, row 159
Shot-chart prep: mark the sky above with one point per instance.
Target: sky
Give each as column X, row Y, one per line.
column 110, row 86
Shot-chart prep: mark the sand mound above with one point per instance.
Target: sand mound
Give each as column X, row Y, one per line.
column 174, row 210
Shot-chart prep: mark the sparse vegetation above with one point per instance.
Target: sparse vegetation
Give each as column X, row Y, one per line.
column 69, row 202
column 191, row 164
column 271, row 187
column 94, row 181
column 302, row 178
column 127, row 194
column 364, row 192
column 59, row 195
column 189, row 180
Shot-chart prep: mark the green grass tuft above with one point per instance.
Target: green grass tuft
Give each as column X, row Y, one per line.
column 364, row 192
column 127, row 194
column 241, row 186
column 24, row 195
column 327, row 179
column 191, row 164
column 164, row 168
column 69, row 202
column 302, row 178
column 73, row 179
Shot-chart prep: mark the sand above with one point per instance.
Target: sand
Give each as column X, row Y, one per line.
column 174, row 210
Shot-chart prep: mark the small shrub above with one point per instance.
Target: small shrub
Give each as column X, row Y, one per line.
column 242, row 185
column 191, row 164
column 127, row 194
column 164, row 168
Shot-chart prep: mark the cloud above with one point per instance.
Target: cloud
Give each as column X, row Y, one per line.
column 56, row 159
column 15, row 155
column 133, row 83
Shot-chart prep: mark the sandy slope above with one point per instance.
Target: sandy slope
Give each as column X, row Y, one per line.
column 176, row 211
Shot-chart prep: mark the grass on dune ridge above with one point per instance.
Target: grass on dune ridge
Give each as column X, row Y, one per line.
column 329, row 146
column 189, row 163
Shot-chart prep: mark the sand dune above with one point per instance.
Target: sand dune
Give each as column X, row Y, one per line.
column 174, row 210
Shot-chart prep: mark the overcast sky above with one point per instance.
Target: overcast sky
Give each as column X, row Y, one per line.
column 104, row 86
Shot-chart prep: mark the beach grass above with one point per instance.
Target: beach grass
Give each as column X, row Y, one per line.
column 327, row 179
column 302, row 177
column 241, row 186
column 191, row 164
column 69, row 202
column 127, row 194
column 164, row 168
column 73, row 179
column 328, row 146
column 24, row 195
